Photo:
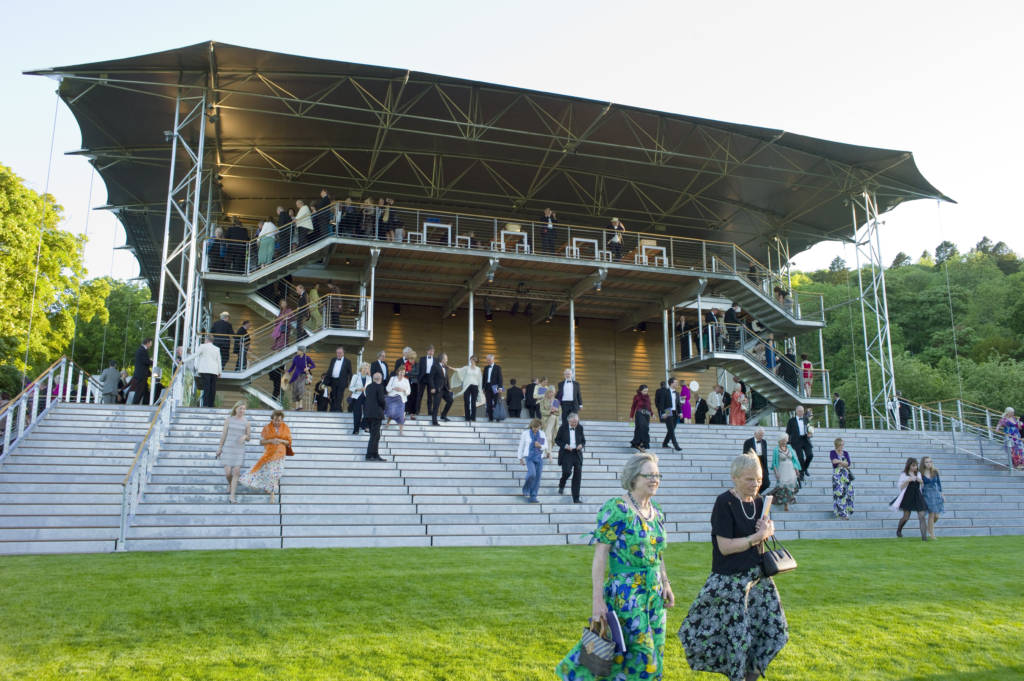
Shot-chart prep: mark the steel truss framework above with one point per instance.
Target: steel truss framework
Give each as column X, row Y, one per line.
column 179, row 284
column 874, row 307
column 299, row 124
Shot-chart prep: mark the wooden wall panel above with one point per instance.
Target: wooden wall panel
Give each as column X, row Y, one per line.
column 609, row 364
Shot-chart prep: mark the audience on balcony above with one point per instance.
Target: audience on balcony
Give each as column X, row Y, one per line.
column 548, row 227
column 304, row 230
column 238, row 239
column 617, row 239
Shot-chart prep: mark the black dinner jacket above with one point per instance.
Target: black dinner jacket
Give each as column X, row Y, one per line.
column 662, row 400
column 400, row 362
column 840, row 407
column 575, row 392
column 562, row 439
column 793, row 431
column 373, row 405
column 142, row 363
column 530, row 401
column 731, row 317
column 424, row 375
column 440, row 378
column 495, row 378
column 762, row 451
column 344, row 377
column 379, row 367
column 515, row 397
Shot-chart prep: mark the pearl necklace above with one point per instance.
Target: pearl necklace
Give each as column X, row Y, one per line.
column 743, row 508
column 650, row 511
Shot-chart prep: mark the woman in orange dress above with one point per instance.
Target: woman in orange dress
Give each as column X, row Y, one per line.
column 738, row 407
column 266, row 474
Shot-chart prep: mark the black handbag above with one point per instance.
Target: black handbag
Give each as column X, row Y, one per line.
column 777, row 559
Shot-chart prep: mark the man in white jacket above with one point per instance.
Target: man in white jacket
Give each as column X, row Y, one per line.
column 207, row 363
column 531, row 454
column 303, row 223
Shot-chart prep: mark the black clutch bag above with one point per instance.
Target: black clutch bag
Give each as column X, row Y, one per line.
column 777, row 559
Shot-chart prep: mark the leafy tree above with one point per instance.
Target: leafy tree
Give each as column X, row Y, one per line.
column 128, row 321
column 838, row 265
column 59, row 289
column 945, row 251
column 901, row 260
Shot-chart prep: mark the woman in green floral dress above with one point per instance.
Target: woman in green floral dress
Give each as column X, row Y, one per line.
column 630, row 538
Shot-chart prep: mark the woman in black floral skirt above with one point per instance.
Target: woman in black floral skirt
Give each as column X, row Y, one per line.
column 736, row 626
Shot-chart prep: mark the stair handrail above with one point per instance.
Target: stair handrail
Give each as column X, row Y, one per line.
column 327, row 321
column 780, row 358
column 21, row 413
column 981, row 441
column 146, row 452
column 769, row 284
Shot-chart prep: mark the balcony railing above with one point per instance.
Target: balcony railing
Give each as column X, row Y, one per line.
column 507, row 235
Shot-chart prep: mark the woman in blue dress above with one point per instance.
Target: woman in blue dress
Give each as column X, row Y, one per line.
column 932, row 491
column 630, row 538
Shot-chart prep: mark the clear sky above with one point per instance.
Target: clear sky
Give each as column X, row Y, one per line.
column 941, row 79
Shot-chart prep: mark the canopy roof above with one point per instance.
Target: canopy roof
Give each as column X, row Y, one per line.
column 284, row 126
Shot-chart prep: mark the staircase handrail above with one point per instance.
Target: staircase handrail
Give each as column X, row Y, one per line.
column 20, row 415
column 927, row 420
column 744, row 336
column 141, row 469
column 770, row 284
column 328, row 321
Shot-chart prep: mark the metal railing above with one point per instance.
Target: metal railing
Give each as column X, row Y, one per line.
column 738, row 339
column 508, row 235
column 62, row 381
column 334, row 311
column 141, row 471
column 992, row 445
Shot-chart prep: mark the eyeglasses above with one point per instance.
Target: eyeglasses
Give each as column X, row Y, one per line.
column 652, row 476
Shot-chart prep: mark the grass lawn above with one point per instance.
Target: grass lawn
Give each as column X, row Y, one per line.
column 949, row 610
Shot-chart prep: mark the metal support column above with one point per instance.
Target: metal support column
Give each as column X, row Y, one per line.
column 873, row 305
column 824, row 374
column 471, row 326
column 675, row 354
column 572, row 336
column 178, row 262
column 374, row 255
column 700, row 327
column 665, row 334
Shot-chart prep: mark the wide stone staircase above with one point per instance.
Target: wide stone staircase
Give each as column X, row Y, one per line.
column 452, row 485
column 60, row 489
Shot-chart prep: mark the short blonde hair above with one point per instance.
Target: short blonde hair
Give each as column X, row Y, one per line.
column 364, row 365
column 837, row 441
column 235, row 406
column 633, row 466
column 742, row 463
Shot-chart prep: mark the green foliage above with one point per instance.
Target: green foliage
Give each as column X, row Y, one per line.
column 986, row 291
column 447, row 614
column 114, row 336
column 59, row 290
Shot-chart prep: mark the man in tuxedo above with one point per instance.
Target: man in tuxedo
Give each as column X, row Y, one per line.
column 373, row 412
column 222, row 331
column 426, row 363
column 800, row 441
column 759, row 445
column 380, row 366
column 532, row 408
column 903, row 411
column 339, row 373
column 141, row 375
column 716, row 405
column 732, row 325
column 441, row 389
column 666, row 401
column 840, row 408
column 711, row 318
column 400, row 362
column 492, row 385
column 242, row 343
column 570, row 441
column 547, row 231
column 569, row 395
column 515, row 399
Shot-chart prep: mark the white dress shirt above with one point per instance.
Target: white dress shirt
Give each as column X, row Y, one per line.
column 337, row 368
column 567, row 392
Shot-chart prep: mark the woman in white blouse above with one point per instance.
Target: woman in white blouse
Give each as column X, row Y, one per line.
column 266, row 242
column 471, row 377
column 397, row 393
